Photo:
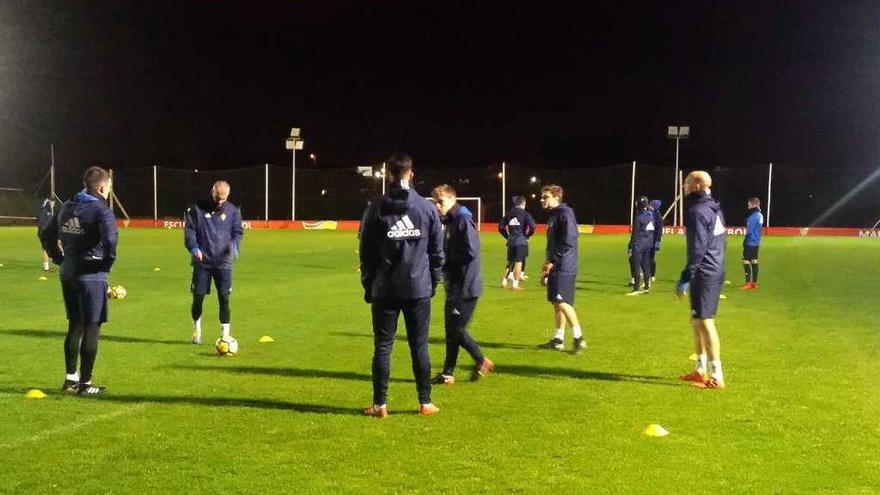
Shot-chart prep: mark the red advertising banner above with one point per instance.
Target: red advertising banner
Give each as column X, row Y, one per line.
column 352, row 225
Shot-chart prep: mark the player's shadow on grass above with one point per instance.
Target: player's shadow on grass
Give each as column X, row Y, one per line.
column 550, row 372
column 401, row 337
column 60, row 335
column 233, row 402
column 293, row 372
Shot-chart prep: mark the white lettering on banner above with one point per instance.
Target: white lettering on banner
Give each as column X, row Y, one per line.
column 736, row 231
column 179, row 224
column 869, row 233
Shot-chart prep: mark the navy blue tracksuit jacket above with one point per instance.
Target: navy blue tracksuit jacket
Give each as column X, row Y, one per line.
column 562, row 239
column 216, row 232
column 461, row 271
column 86, row 229
column 643, row 230
column 517, row 226
column 401, row 246
column 706, row 238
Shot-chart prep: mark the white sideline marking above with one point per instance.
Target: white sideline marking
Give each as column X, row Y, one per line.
column 73, row 426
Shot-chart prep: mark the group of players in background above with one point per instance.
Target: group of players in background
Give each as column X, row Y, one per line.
column 408, row 245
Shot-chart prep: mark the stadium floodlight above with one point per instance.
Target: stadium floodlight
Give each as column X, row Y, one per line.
column 533, row 180
column 677, row 133
column 293, row 143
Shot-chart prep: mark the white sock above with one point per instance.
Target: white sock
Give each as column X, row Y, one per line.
column 46, row 265
column 701, row 363
column 224, row 329
column 197, row 326
column 74, row 377
column 560, row 334
column 515, row 283
column 576, row 331
column 717, row 373
column 510, row 275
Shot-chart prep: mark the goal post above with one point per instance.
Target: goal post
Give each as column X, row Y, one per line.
column 479, row 208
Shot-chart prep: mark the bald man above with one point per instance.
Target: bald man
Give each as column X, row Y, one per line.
column 212, row 236
column 703, row 276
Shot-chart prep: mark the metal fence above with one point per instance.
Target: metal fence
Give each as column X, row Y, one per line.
column 599, row 195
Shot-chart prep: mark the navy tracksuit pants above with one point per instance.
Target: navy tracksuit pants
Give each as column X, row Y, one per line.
column 458, row 315
column 417, row 318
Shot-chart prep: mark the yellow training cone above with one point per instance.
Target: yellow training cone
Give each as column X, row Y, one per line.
column 265, row 339
column 1, row 265
column 727, row 282
column 722, row 296
column 42, row 278
column 654, row 430
column 693, row 357
column 157, row 269
column 35, row 394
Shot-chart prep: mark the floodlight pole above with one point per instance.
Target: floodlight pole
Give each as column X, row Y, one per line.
column 632, row 196
column 266, row 194
column 769, row 190
column 676, row 186
column 155, row 196
column 383, row 178
column 293, row 143
column 503, row 188
column 52, row 170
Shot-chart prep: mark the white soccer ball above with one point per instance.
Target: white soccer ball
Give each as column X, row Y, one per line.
column 119, row 292
column 226, row 346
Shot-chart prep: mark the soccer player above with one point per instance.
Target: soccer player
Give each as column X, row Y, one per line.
column 752, row 243
column 641, row 243
column 517, row 227
column 212, row 235
column 463, row 282
column 703, row 275
column 82, row 238
column 401, row 254
column 44, row 218
column 560, row 268
column 656, row 204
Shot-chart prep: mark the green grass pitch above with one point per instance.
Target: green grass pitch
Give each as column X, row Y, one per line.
column 801, row 413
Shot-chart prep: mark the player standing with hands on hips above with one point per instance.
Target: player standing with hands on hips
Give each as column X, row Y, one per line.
column 213, row 237
column 516, row 227
column 641, row 243
column 560, row 268
column 703, row 275
column 85, row 229
column 401, row 254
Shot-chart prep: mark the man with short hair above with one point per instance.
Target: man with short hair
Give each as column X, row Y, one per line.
column 401, row 254
column 212, row 235
column 752, row 243
column 703, row 276
column 463, row 282
column 516, row 227
column 82, row 238
column 560, row 268
column 641, row 243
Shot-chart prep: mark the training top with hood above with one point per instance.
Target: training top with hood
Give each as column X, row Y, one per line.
column 85, row 228
column 753, row 228
column 706, row 238
column 216, row 232
column 461, row 271
column 643, row 228
column 401, row 246
column 44, row 216
column 562, row 239
column 517, row 226
column 656, row 204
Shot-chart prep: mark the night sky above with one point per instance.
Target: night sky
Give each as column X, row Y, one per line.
column 219, row 84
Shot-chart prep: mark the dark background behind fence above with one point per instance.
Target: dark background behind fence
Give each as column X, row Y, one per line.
column 598, row 195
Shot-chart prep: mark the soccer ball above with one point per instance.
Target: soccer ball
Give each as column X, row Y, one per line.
column 226, row 346
column 117, row 292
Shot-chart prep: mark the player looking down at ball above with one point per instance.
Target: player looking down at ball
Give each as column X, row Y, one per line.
column 212, row 236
